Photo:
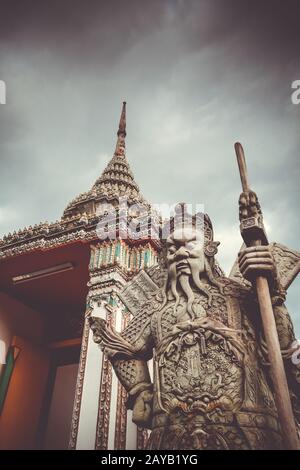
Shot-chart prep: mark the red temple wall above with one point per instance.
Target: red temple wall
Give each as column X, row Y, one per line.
column 21, row 326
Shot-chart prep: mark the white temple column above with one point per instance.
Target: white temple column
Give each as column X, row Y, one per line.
column 100, row 420
column 114, row 387
column 90, row 390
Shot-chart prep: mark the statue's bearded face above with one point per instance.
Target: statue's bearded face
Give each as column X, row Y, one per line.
column 186, row 262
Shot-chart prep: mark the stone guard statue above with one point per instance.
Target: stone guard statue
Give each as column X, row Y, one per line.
column 211, row 387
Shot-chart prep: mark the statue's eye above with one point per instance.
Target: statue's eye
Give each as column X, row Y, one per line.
column 172, row 249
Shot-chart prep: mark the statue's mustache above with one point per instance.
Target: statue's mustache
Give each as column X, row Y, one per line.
column 183, row 281
column 176, row 280
column 172, row 283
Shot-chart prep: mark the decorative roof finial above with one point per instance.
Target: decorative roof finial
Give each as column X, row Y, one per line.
column 122, row 123
column 116, row 180
column 120, row 147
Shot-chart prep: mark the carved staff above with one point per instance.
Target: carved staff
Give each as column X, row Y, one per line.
column 253, row 233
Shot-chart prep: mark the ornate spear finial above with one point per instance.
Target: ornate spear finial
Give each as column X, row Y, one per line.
column 120, row 147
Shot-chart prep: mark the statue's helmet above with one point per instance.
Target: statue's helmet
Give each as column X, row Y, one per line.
column 200, row 221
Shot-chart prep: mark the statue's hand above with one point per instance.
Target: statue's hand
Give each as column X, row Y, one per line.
column 142, row 410
column 258, row 261
column 98, row 327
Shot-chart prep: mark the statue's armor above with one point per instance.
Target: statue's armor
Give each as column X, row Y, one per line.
column 211, row 377
column 211, row 389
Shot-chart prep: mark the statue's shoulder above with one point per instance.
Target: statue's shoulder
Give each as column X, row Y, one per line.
column 287, row 263
column 142, row 292
column 235, row 287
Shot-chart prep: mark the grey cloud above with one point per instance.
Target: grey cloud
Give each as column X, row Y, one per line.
column 197, row 76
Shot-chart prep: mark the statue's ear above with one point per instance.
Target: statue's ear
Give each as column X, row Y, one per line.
column 211, row 248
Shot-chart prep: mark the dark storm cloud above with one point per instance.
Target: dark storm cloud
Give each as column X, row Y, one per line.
column 79, row 30
column 197, row 75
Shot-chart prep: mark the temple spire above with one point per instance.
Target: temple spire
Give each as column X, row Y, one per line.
column 122, row 123
column 116, row 180
column 120, row 147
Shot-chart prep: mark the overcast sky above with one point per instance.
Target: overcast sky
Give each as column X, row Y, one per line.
column 197, row 76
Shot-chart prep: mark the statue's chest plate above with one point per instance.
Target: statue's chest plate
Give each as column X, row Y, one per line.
column 197, row 366
column 163, row 321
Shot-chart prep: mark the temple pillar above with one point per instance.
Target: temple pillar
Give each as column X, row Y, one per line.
column 83, row 429
column 100, row 418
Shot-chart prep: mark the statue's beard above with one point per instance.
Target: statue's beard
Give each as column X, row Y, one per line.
column 184, row 284
column 182, row 281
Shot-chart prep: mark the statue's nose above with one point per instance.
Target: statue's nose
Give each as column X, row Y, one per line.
column 182, row 253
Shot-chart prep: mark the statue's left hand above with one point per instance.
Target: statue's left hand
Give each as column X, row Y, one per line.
column 257, row 261
column 142, row 410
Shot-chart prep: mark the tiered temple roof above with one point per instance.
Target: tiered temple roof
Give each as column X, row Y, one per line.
column 81, row 216
column 116, row 181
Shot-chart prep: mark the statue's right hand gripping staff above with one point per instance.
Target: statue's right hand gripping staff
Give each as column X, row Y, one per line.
column 253, row 233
